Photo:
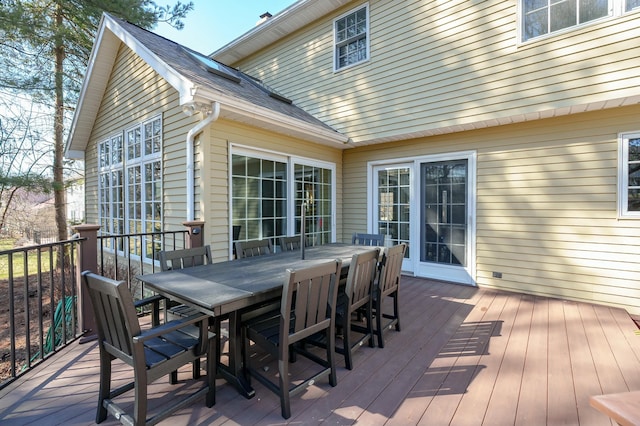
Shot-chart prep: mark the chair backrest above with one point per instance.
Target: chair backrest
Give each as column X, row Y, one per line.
column 367, row 239
column 308, row 301
column 361, row 277
column 186, row 258
column 391, row 269
column 253, row 248
column 289, row 243
column 115, row 314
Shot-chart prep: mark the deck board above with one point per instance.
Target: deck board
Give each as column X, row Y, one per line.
column 464, row 356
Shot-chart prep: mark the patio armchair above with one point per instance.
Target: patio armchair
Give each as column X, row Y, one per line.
column 354, row 298
column 357, row 297
column 307, row 307
column 388, row 285
column 289, row 243
column 180, row 259
column 253, row 248
column 367, row 239
column 152, row 353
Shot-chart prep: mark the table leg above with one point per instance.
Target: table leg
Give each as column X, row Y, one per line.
column 234, row 372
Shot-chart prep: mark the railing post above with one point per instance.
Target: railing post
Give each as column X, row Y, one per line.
column 87, row 261
column 196, row 233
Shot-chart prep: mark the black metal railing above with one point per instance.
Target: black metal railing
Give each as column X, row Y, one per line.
column 38, row 309
column 122, row 257
column 38, row 291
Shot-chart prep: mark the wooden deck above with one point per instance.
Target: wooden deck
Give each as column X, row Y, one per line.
column 465, row 356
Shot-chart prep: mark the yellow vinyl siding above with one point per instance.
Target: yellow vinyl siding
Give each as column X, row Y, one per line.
column 439, row 64
column 135, row 93
column 546, row 213
column 219, row 136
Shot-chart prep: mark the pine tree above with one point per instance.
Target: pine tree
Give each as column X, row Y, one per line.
column 44, row 51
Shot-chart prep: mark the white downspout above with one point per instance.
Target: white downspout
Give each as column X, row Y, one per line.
column 191, row 135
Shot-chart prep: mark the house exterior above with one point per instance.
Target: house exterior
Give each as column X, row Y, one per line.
column 499, row 139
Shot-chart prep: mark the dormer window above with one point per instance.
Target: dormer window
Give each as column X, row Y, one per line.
column 351, row 36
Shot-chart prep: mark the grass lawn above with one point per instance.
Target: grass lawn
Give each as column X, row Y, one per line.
column 18, row 260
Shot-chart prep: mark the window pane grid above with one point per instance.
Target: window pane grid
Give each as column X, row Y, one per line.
column 633, row 174
column 130, row 189
column 313, row 187
column 351, row 38
column 542, row 17
column 259, row 199
column 259, row 202
column 444, row 199
column 393, row 205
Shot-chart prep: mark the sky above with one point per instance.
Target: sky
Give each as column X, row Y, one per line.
column 214, row 23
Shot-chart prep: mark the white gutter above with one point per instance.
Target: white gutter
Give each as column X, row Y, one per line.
column 212, row 115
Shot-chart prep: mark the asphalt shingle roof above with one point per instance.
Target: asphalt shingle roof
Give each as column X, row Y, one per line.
column 177, row 57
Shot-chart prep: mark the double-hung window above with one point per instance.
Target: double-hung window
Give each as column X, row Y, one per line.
column 130, row 186
column 351, row 38
column 629, row 175
column 269, row 190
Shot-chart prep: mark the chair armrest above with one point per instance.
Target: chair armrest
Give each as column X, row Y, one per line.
column 155, row 309
column 174, row 325
column 148, row 300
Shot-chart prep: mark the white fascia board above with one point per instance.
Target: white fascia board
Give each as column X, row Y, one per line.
column 183, row 85
column 101, row 61
column 99, row 50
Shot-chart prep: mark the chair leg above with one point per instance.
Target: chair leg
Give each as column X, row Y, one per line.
column 140, row 398
column 378, row 310
column 331, row 351
column 346, row 340
column 396, row 311
column 196, row 369
column 369, row 318
column 283, row 370
column 105, row 386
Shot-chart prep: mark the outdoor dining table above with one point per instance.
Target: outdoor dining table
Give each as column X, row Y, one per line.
column 229, row 287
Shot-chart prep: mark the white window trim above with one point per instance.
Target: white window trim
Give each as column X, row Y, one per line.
column 616, row 9
column 623, row 174
column 414, row 163
column 368, row 35
column 291, row 161
column 124, row 166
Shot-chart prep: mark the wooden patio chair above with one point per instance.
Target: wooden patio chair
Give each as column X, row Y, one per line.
column 253, row 248
column 180, row 259
column 367, row 239
column 151, row 353
column 388, row 285
column 307, row 307
column 357, row 298
column 289, row 243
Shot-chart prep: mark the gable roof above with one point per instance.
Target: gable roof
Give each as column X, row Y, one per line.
column 241, row 97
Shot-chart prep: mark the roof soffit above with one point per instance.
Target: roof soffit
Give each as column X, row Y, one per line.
column 275, row 28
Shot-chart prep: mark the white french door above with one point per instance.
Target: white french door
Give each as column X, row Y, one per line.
column 392, row 212
column 428, row 203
